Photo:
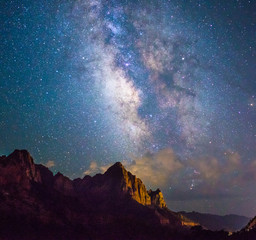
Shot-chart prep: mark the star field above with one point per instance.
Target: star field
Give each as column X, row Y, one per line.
column 167, row 87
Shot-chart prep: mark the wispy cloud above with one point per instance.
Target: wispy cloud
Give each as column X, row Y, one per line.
column 50, row 164
column 203, row 177
column 156, row 169
column 94, row 168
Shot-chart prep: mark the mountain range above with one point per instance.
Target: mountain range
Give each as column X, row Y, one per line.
column 35, row 204
column 231, row 222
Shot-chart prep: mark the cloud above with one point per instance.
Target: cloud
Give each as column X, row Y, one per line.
column 156, row 170
column 214, row 171
column 50, row 164
column 94, row 168
column 208, row 167
column 205, row 176
column 210, row 177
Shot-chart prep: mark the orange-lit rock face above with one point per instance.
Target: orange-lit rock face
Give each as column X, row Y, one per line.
column 157, row 198
column 19, row 170
column 129, row 183
column 187, row 222
column 134, row 187
column 30, row 191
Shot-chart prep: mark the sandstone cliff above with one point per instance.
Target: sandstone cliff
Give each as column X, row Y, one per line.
column 18, row 169
column 129, row 184
column 157, row 198
column 34, row 202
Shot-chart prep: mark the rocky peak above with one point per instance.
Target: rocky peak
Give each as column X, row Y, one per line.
column 157, row 198
column 19, row 168
column 132, row 185
column 46, row 175
column 20, row 157
column 127, row 183
column 81, row 202
column 116, row 171
column 63, row 184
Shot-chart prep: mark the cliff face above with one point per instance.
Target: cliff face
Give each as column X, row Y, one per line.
column 32, row 199
column 157, row 198
column 120, row 183
column 128, row 184
column 63, row 184
column 18, row 169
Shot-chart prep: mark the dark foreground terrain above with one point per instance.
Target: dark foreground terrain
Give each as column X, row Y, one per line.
column 35, row 204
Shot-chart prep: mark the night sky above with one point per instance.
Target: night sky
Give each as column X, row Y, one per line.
column 166, row 87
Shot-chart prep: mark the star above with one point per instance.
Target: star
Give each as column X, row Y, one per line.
column 167, row 82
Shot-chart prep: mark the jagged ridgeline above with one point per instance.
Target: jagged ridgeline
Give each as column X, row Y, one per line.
column 35, row 204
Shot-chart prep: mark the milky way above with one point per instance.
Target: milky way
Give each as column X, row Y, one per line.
column 167, row 87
